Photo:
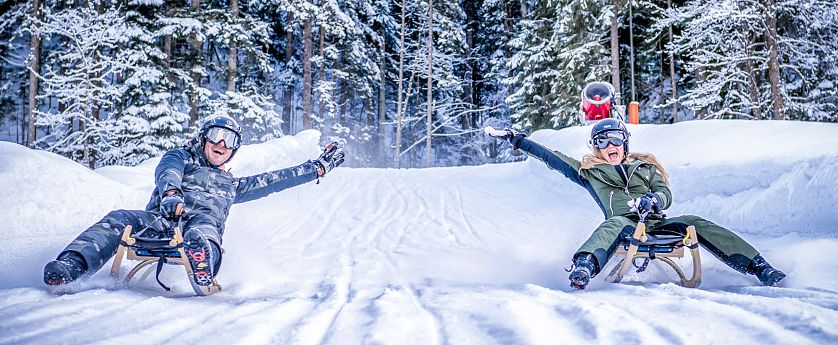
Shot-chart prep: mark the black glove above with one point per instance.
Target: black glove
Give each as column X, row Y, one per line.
column 331, row 158
column 169, row 203
column 508, row 134
column 646, row 203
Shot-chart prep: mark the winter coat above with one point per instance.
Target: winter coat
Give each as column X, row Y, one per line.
column 209, row 192
column 610, row 186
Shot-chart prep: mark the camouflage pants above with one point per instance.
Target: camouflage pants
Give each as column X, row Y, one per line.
column 99, row 242
column 721, row 242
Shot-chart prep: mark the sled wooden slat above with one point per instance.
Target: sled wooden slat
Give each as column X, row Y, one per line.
column 146, row 261
column 677, row 251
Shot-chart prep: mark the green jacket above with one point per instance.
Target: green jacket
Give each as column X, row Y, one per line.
column 610, row 186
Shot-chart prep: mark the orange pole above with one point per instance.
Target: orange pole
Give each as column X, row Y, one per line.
column 634, row 112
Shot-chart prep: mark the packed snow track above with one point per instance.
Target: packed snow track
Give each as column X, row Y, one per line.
column 465, row 255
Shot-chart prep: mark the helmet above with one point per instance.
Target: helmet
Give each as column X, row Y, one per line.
column 596, row 101
column 609, row 130
column 221, row 127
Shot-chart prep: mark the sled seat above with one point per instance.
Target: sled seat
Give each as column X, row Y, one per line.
column 661, row 246
column 160, row 250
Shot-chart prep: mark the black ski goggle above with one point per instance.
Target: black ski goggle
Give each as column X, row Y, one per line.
column 216, row 134
column 614, row 138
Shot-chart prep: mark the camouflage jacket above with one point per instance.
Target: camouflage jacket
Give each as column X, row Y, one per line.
column 209, row 192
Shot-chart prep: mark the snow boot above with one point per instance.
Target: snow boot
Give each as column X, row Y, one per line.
column 582, row 271
column 68, row 267
column 769, row 276
column 203, row 256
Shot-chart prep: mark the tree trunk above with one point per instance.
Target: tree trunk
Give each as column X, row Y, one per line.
column 35, row 66
column 231, row 59
column 777, row 99
column 615, row 54
column 672, row 72
column 23, row 126
column 471, row 17
column 307, row 75
column 752, row 80
column 430, row 119
column 631, row 50
column 699, row 77
column 92, row 149
column 662, row 80
column 322, row 74
column 196, row 75
column 399, row 103
column 287, row 99
column 382, row 100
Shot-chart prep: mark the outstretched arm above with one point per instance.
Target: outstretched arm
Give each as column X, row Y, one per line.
column 258, row 186
column 568, row 166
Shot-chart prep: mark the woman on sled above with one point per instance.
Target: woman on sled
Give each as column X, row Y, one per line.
column 625, row 183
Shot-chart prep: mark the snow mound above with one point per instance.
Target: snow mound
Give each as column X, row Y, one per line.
column 465, row 255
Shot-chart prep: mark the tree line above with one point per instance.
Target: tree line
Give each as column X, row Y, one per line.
column 403, row 83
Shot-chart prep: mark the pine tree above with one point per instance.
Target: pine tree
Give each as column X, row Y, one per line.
column 85, row 80
column 557, row 51
column 149, row 123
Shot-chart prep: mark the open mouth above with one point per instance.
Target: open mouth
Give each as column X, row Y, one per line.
column 612, row 155
column 219, row 152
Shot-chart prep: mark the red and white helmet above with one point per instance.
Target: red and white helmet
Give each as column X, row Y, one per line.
column 597, row 102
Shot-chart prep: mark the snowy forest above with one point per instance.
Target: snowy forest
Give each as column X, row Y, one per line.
column 402, row 83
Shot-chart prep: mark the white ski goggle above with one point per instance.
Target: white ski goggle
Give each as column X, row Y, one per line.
column 216, row 134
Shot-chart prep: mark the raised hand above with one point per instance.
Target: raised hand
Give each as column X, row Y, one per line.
column 508, row 134
column 331, row 158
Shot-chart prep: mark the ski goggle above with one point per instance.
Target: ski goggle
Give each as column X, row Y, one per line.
column 616, row 138
column 216, row 134
column 596, row 101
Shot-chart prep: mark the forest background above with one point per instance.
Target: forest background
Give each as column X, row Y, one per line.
column 402, row 83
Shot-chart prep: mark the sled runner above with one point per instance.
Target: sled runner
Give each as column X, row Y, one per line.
column 166, row 250
column 664, row 247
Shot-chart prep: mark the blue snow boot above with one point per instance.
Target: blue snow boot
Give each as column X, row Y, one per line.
column 582, row 271
column 769, row 276
column 68, row 267
column 203, row 256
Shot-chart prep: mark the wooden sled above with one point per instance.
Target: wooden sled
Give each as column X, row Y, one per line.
column 663, row 247
column 150, row 251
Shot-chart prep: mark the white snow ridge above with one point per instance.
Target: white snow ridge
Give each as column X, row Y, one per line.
column 466, row 255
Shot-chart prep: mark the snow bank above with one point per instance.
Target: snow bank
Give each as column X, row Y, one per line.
column 758, row 177
column 466, row 255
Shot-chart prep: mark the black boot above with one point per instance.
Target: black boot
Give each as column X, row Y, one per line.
column 582, row 271
column 204, row 256
column 68, row 267
column 769, row 276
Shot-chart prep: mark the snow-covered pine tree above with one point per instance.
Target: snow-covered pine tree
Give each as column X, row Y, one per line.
column 149, row 123
column 731, row 45
column 809, row 52
column 82, row 73
column 721, row 40
column 247, row 101
column 560, row 47
column 450, row 81
column 13, row 49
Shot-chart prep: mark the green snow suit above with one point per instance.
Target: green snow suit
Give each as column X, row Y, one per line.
column 612, row 186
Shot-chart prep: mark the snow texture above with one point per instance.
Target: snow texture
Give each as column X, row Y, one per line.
column 465, row 255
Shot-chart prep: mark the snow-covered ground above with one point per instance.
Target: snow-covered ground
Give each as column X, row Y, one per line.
column 467, row 255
